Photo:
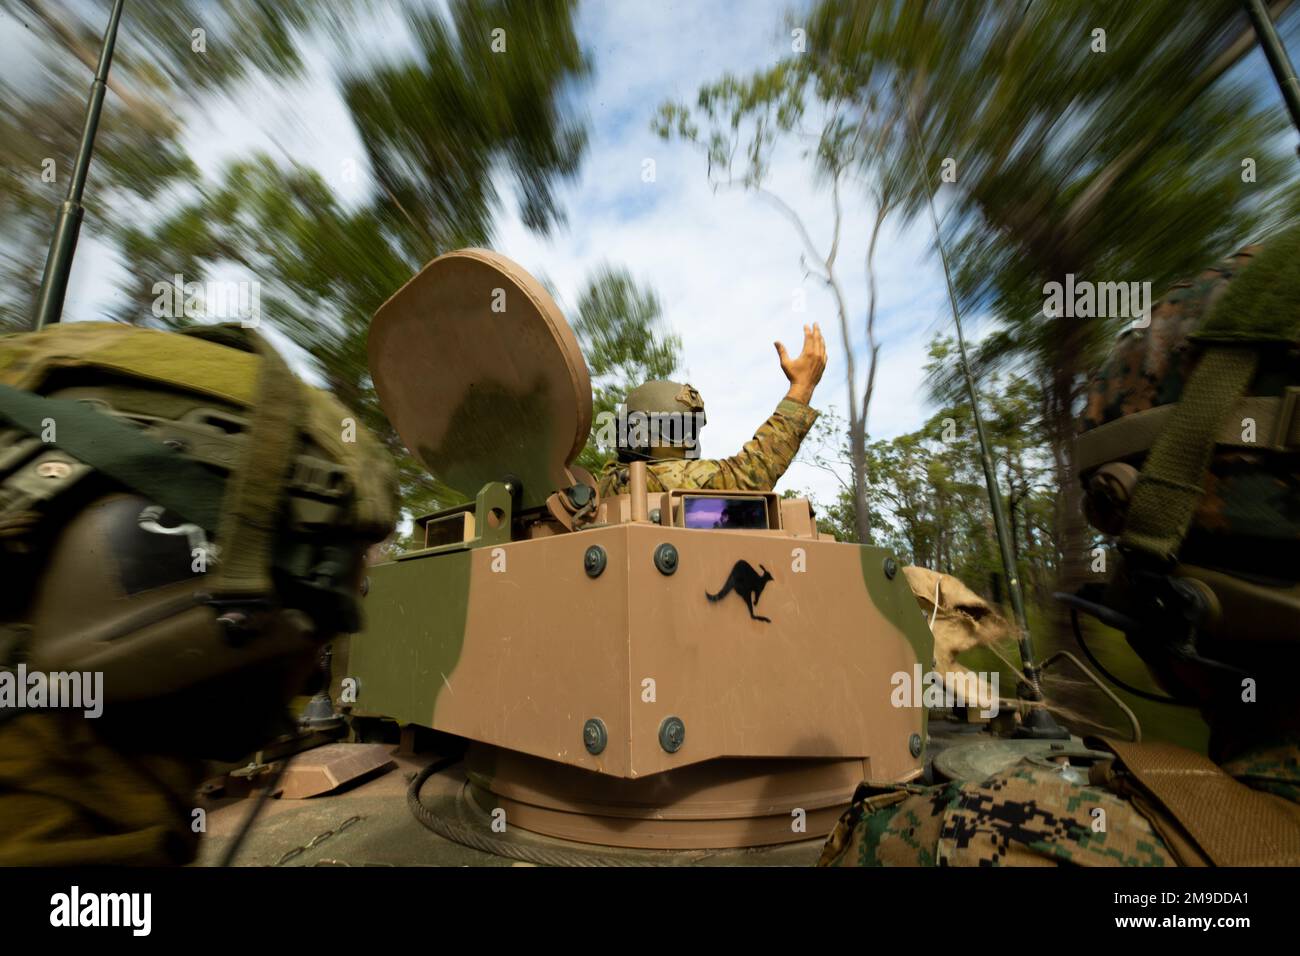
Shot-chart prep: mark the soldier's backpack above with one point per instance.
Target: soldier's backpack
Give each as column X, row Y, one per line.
column 1191, row 452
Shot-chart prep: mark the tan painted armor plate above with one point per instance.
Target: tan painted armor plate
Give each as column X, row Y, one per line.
column 481, row 375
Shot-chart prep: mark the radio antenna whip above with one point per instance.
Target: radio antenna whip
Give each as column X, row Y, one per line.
column 58, row 266
column 1038, row 722
column 1278, row 61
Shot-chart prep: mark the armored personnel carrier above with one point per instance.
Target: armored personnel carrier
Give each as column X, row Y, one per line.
column 650, row 678
column 681, row 671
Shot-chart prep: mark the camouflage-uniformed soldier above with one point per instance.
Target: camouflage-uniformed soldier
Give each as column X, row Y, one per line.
column 1204, row 403
column 183, row 525
column 759, row 464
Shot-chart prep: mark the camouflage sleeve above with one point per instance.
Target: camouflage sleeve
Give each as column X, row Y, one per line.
column 1025, row 816
column 757, row 467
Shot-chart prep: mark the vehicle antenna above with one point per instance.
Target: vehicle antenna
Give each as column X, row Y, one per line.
column 1038, row 722
column 54, row 284
column 1275, row 52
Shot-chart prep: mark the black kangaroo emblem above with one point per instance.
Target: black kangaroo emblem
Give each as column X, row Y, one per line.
column 746, row 582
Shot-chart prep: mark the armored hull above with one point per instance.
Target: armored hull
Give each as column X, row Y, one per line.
column 689, row 671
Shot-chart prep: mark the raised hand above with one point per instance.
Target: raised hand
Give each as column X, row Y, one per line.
column 805, row 371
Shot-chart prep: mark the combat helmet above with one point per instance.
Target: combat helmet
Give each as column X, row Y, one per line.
column 659, row 420
column 179, row 513
column 1189, row 456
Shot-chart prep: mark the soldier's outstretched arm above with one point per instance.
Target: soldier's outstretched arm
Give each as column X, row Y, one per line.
column 764, row 458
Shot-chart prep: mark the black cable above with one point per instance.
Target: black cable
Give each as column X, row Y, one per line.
column 1145, row 695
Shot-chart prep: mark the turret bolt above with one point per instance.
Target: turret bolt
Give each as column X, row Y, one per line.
column 594, row 736
column 594, row 561
column 914, row 745
column 666, row 558
column 672, row 734
column 891, row 568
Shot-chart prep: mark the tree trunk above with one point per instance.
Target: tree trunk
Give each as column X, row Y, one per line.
column 858, row 451
column 1071, row 529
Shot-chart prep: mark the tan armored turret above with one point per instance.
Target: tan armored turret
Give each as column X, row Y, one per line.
column 689, row 669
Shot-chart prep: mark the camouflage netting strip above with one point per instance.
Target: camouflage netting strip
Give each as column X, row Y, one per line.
column 373, row 474
column 254, row 495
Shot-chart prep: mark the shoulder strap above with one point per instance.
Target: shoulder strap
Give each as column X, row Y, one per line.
column 121, row 452
column 1260, row 309
column 1223, row 820
column 1172, row 479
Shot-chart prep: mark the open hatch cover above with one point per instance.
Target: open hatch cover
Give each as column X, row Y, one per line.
column 481, row 375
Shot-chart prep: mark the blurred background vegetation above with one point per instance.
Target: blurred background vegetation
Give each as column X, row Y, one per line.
column 439, row 125
column 1124, row 165
column 1068, row 154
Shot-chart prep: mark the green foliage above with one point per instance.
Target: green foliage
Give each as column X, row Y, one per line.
column 739, row 114
column 157, row 79
column 134, row 164
column 1122, row 165
column 437, row 125
column 324, row 269
column 926, row 491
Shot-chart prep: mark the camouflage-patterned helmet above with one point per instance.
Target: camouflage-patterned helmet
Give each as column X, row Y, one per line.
column 1189, row 453
column 661, row 419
